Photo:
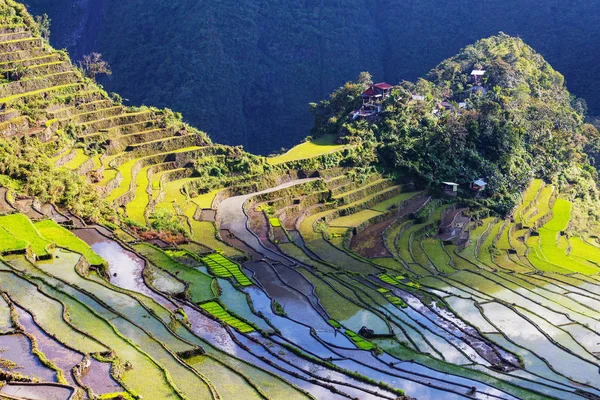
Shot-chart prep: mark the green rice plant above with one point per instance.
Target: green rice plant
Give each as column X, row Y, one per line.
column 528, row 197
column 561, row 215
column 334, row 323
column 9, row 243
column 355, row 219
column 383, row 290
column 21, row 227
column 542, row 206
column 359, row 341
column 67, row 239
column 225, row 268
column 116, row 396
column 275, row 222
column 388, row 279
column 219, row 312
column 396, row 301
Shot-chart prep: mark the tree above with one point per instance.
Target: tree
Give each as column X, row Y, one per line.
column 365, row 78
column 43, row 22
column 93, row 65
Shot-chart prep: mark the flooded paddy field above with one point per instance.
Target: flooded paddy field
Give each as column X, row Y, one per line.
column 303, row 317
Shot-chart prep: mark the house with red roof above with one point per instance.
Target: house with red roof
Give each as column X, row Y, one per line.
column 372, row 99
column 376, row 92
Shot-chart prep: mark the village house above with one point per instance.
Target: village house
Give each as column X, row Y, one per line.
column 477, row 76
column 450, row 188
column 372, row 100
column 478, row 185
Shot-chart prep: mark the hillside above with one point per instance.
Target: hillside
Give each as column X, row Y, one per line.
column 515, row 122
column 141, row 260
column 275, row 58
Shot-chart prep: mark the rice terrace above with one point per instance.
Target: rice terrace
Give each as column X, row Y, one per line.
column 430, row 240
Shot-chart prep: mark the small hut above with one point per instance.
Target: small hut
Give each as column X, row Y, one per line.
column 478, row 185
column 477, row 75
column 450, row 188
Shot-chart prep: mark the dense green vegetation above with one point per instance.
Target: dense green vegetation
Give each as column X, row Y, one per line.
column 521, row 123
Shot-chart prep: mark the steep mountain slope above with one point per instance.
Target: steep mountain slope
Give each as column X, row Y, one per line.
column 242, row 68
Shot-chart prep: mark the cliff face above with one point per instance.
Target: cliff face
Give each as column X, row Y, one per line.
column 245, row 70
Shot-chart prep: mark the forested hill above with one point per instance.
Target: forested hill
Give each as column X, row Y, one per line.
column 513, row 122
column 244, row 70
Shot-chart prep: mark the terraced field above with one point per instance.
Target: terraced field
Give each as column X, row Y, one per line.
column 306, row 280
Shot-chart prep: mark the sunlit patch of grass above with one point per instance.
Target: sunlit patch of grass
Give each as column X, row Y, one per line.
column 308, row 149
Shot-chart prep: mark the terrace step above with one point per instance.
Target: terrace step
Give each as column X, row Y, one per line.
column 28, row 62
column 20, row 44
column 115, row 121
column 370, row 200
column 53, row 67
column 349, row 184
column 7, row 115
column 37, row 85
column 11, row 36
column 15, row 56
column 362, row 191
column 166, row 144
column 93, row 115
column 7, row 30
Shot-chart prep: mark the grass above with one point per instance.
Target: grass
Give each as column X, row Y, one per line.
column 9, row 243
column 218, row 311
column 205, row 200
column 309, row 149
column 394, row 201
column 359, row 341
column 354, row 220
column 434, row 249
column 198, row 283
column 21, row 227
column 224, row 268
column 65, row 238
